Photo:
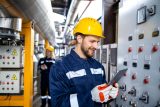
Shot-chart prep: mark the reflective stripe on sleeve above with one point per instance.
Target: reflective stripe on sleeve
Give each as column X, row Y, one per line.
column 97, row 71
column 49, row 97
column 73, row 74
column 44, row 97
column 73, row 100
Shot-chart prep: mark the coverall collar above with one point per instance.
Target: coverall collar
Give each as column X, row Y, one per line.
column 74, row 54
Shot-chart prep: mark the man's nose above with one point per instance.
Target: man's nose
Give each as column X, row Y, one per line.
column 96, row 45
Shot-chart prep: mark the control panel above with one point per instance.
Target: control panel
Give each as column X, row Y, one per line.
column 139, row 51
column 9, row 82
column 10, row 57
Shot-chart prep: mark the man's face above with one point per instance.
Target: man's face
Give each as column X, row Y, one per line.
column 89, row 45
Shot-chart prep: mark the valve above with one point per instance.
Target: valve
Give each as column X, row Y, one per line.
column 124, row 97
column 145, row 98
column 123, row 87
column 158, row 104
column 132, row 91
column 133, row 103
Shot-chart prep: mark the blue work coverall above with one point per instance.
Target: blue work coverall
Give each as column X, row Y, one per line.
column 45, row 79
column 72, row 79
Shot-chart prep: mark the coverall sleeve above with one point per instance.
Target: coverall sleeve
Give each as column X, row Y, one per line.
column 60, row 86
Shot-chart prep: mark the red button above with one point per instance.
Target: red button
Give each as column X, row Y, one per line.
column 130, row 49
column 155, row 48
column 133, row 76
column 146, row 80
column 140, row 49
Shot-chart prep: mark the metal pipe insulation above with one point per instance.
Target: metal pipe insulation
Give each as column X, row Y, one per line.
column 40, row 13
column 72, row 10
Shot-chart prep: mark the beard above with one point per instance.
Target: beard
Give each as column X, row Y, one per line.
column 88, row 52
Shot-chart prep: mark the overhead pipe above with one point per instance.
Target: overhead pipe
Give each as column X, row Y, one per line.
column 81, row 14
column 71, row 12
column 3, row 12
column 40, row 13
column 7, row 10
column 65, row 31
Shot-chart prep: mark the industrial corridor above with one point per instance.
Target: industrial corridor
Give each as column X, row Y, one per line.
column 79, row 53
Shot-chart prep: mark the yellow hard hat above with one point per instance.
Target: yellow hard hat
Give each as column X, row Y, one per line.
column 89, row 26
column 50, row 48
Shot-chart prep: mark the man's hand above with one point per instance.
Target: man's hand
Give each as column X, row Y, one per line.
column 43, row 67
column 101, row 92
column 114, row 91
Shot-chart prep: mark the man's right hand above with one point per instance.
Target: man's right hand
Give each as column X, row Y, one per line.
column 101, row 92
column 114, row 91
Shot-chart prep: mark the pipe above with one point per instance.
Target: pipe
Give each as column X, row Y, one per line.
column 9, row 10
column 40, row 13
column 3, row 12
column 84, row 10
column 80, row 16
column 72, row 10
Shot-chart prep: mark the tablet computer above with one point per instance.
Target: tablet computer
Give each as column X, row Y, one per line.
column 118, row 76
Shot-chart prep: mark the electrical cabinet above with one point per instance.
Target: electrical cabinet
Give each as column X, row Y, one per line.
column 9, row 82
column 10, row 56
column 10, row 69
column 139, row 51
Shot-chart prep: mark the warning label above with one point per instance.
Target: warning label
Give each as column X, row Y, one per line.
column 14, row 77
column 14, row 52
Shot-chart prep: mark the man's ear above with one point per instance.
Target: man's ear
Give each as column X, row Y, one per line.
column 79, row 39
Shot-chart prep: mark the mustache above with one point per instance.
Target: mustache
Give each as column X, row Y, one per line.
column 92, row 48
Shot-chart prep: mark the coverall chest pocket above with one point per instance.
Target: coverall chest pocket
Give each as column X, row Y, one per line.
column 98, row 78
column 97, row 75
column 79, row 79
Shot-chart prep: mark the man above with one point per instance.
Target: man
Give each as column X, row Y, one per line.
column 44, row 66
column 79, row 80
